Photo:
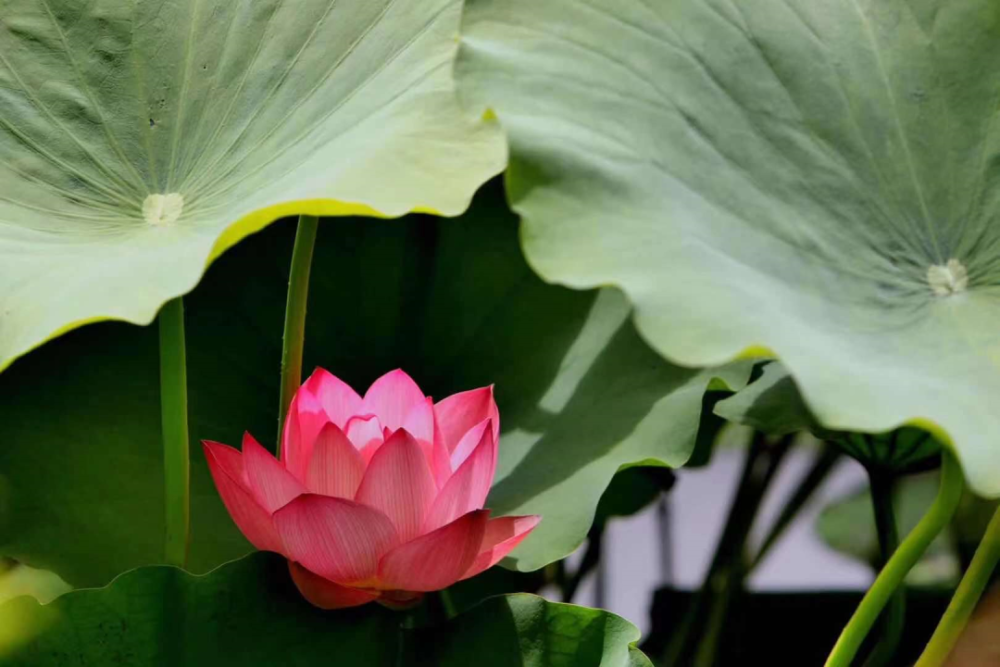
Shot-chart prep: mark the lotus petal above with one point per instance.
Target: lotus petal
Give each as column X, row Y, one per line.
column 392, row 397
column 466, row 490
column 339, row 400
column 435, row 560
column 501, row 537
column 226, row 466
column 327, row 594
column 336, row 467
column 335, row 538
column 269, row 481
column 399, row 483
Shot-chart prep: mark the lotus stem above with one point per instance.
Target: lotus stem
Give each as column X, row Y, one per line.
column 882, row 488
column 450, row 610
column 174, row 415
column 902, row 561
column 295, row 317
column 970, row 589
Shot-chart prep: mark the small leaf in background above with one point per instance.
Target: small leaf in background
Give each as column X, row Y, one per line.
column 848, row 526
column 141, row 139
column 813, row 181
column 249, row 613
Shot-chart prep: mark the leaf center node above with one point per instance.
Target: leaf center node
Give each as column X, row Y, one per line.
column 948, row 279
column 163, row 210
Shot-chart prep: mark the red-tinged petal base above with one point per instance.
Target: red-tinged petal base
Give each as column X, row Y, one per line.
column 326, row 594
column 400, row 600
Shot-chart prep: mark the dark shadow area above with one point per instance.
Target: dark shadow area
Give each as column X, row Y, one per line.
column 616, row 393
column 792, row 628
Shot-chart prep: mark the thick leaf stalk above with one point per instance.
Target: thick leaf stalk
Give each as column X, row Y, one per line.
column 882, row 490
column 971, row 588
column 902, row 561
column 295, row 316
column 174, row 415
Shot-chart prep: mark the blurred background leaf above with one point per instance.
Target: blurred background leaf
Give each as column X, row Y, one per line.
column 848, row 526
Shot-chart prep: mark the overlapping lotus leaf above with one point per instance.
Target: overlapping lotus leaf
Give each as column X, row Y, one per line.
column 248, row 612
column 814, row 179
column 771, row 404
column 141, row 138
column 774, row 405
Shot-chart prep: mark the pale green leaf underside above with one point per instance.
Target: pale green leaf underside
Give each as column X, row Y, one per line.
column 777, row 175
column 248, row 613
column 248, row 109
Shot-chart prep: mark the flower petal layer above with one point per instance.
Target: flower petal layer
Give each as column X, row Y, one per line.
column 226, row 466
column 466, row 490
column 366, row 433
column 419, row 422
column 335, row 538
column 271, row 484
column 306, row 417
column 324, row 593
column 502, row 536
column 391, row 397
column 469, row 442
column 456, row 415
column 399, row 483
column 336, row 467
column 338, row 399
column 435, row 560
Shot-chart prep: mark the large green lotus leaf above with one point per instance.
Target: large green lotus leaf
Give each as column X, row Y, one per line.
column 141, row 138
column 815, row 179
column 450, row 301
column 249, row 613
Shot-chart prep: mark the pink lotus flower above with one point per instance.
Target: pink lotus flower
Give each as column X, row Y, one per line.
column 377, row 498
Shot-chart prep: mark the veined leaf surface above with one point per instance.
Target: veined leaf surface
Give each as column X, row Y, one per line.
column 141, row 138
column 817, row 180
